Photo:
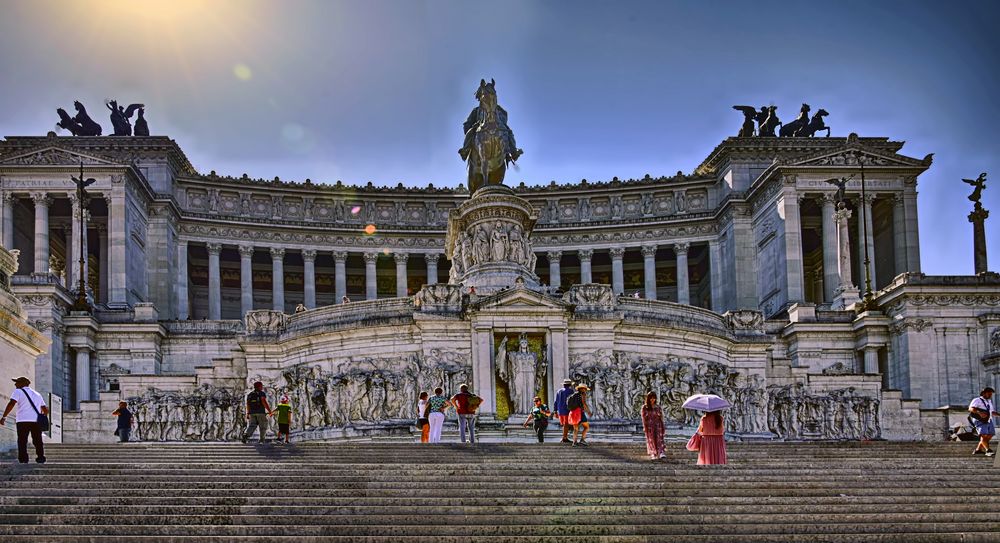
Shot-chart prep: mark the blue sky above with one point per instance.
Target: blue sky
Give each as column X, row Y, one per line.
column 377, row 91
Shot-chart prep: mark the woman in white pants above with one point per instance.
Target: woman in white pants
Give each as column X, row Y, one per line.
column 436, row 407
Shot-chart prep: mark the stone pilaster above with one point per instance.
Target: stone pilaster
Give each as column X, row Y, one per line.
column 831, row 268
column 912, row 232
column 432, row 267
column 42, row 203
column 788, row 207
column 117, row 268
column 246, row 279
column 898, row 235
column 586, row 275
column 104, row 276
column 214, row 281
column 871, row 359
column 555, row 275
column 371, row 281
column 180, row 287
column 401, row 259
column 649, row 271
column 82, row 375
column 617, row 270
column 683, row 285
column 339, row 275
column 8, row 219
column 309, row 276
column 715, row 275
column 278, row 278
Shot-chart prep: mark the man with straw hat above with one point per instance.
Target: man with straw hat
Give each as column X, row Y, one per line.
column 30, row 407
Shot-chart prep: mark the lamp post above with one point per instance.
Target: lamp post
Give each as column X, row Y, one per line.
column 81, row 303
column 868, row 302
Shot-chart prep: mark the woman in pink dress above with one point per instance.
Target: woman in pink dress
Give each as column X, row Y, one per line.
column 713, row 442
column 652, row 424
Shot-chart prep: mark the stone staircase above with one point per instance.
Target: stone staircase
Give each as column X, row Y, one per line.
column 499, row 492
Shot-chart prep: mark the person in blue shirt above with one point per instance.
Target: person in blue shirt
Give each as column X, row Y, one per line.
column 562, row 409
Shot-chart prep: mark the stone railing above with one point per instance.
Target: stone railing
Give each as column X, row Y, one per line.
column 674, row 315
column 365, row 313
column 204, row 328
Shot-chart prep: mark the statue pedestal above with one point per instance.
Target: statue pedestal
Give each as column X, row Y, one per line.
column 488, row 241
column 846, row 296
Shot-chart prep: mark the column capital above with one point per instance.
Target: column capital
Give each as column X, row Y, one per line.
column 897, row 200
column 554, row 255
column 401, row 258
column 246, row 251
column 681, row 248
column 309, row 255
column 432, row 257
column 41, row 198
column 649, row 251
column 585, row 254
column 617, row 253
column 277, row 253
column 868, row 199
column 107, row 198
column 340, row 256
column 214, row 248
column 828, row 198
column 6, row 196
column 370, row 258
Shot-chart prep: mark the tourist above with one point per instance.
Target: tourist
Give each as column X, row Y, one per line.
column 636, row 295
column 466, row 404
column 422, row 423
column 345, row 300
column 539, row 417
column 652, row 425
column 284, row 419
column 562, row 409
column 300, row 308
column 578, row 415
column 125, row 421
column 981, row 413
column 30, row 407
column 436, row 406
column 257, row 412
column 713, row 441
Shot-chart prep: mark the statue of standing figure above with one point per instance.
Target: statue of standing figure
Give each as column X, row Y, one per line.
column 120, row 117
column 518, row 369
column 979, row 183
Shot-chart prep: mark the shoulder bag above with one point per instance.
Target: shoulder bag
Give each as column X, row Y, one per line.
column 43, row 420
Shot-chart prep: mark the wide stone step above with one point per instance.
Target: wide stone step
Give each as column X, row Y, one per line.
column 846, row 537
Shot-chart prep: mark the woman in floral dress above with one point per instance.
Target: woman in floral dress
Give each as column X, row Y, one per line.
column 652, row 424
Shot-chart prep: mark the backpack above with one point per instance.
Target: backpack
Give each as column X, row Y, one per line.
column 473, row 402
column 575, row 401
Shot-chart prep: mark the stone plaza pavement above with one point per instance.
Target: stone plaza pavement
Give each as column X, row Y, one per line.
column 401, row 491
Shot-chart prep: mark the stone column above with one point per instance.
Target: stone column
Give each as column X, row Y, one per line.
column 865, row 221
column 82, row 375
column 309, row 276
column 116, row 249
column 105, row 278
column 432, row 267
column 401, row 259
column 42, row 203
column 912, row 234
column 617, row 270
column 278, row 279
column 560, row 360
column 371, row 282
column 788, row 207
column 181, row 287
column 649, row 270
column 70, row 234
column 898, row 235
column 817, row 285
column 715, row 274
column 8, row 219
column 214, row 282
column 339, row 275
column 831, row 268
column 978, row 219
column 683, row 285
column 871, row 358
column 555, row 277
column 246, row 279
column 482, row 368
column 586, row 277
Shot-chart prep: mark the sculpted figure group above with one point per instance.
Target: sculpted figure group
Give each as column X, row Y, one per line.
column 767, row 121
column 497, row 243
column 82, row 125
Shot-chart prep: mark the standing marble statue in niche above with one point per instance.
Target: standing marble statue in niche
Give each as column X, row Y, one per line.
column 519, row 369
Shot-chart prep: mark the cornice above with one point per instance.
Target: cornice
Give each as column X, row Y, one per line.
column 768, row 147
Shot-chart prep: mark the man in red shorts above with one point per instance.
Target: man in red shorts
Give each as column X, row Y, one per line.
column 562, row 409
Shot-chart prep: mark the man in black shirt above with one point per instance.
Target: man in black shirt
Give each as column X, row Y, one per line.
column 125, row 420
column 257, row 412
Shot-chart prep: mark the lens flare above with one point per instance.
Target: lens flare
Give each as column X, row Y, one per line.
column 355, row 210
column 242, row 72
column 370, row 229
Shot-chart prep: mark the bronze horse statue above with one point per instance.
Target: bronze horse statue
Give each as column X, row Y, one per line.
column 803, row 126
column 489, row 143
column 81, row 124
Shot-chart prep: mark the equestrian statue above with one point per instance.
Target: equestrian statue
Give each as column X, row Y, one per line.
column 489, row 143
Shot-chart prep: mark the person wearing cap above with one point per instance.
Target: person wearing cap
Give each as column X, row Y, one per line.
column 539, row 418
column 562, row 409
column 257, row 412
column 284, row 418
column 578, row 414
column 981, row 413
column 466, row 404
column 125, row 422
column 30, row 405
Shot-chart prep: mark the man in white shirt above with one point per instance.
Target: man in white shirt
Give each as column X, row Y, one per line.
column 29, row 405
column 981, row 416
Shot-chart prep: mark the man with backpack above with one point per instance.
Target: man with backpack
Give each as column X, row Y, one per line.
column 562, row 408
column 466, row 404
column 30, row 410
column 257, row 412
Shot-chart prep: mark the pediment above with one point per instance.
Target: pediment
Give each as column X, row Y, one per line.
column 521, row 297
column 855, row 155
column 54, row 156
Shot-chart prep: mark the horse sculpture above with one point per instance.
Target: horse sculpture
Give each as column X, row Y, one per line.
column 792, row 129
column 81, row 124
column 815, row 125
column 770, row 122
column 489, row 143
column 803, row 126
